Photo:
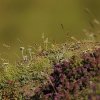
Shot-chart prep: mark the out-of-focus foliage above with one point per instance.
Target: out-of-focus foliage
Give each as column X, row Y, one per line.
column 23, row 21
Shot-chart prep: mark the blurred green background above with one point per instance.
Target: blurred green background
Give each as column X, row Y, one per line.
column 23, row 21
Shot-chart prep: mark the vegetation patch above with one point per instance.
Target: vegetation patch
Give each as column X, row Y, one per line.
column 55, row 73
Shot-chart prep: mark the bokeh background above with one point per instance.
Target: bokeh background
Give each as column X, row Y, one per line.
column 23, row 21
